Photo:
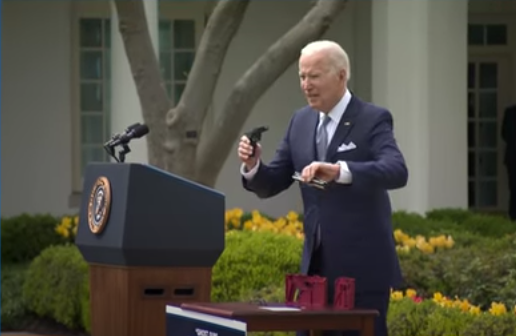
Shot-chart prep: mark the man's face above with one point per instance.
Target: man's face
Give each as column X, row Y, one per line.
column 321, row 86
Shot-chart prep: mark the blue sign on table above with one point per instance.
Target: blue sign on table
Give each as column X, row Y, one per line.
column 181, row 322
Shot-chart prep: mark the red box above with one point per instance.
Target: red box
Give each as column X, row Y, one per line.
column 307, row 291
column 344, row 293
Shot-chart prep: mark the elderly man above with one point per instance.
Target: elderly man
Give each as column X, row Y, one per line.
column 350, row 144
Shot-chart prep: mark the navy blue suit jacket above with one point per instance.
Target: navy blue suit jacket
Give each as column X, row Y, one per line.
column 355, row 219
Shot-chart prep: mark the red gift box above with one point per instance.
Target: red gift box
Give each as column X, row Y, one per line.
column 308, row 291
column 344, row 293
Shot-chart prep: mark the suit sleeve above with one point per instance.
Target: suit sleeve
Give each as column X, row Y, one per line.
column 275, row 177
column 387, row 169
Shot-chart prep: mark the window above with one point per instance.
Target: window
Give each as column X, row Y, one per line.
column 483, row 144
column 487, row 34
column 176, row 54
column 94, row 92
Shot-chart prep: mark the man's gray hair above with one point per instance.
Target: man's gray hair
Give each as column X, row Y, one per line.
column 339, row 59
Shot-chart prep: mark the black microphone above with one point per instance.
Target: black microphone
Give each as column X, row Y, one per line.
column 134, row 131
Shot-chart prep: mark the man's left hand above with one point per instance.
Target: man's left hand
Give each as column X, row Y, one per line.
column 322, row 170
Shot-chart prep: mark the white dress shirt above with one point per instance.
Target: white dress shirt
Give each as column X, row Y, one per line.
column 335, row 115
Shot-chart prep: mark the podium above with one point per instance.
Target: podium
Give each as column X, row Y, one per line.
column 150, row 238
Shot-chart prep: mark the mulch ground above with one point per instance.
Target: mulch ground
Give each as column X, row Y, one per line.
column 42, row 327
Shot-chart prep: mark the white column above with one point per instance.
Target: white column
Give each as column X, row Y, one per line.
column 125, row 104
column 419, row 62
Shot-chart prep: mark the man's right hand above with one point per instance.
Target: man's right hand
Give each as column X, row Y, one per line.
column 245, row 149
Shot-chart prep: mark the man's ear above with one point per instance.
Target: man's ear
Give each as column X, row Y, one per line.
column 343, row 75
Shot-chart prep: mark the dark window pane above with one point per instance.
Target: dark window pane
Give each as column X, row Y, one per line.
column 487, row 193
column 91, row 97
column 487, row 164
column 107, row 63
column 91, row 65
column 107, row 33
column 488, row 75
column 471, row 164
column 487, row 105
column 471, row 194
column 184, row 34
column 182, row 64
column 496, row 34
column 471, row 75
column 487, row 134
column 165, row 37
column 471, row 134
column 475, row 34
column 471, row 105
column 92, row 129
column 90, row 32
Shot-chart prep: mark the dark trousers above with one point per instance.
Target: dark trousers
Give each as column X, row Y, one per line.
column 511, row 174
column 377, row 300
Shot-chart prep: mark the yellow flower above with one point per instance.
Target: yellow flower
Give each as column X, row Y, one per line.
column 438, row 297
column 410, row 293
column 497, row 308
column 474, row 310
column 292, row 216
column 396, row 295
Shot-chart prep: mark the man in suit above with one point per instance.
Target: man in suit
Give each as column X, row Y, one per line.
column 350, row 144
column 509, row 137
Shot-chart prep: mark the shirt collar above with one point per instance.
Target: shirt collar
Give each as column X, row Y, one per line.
column 338, row 110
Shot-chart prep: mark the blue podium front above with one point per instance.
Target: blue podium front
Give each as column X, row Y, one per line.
column 181, row 322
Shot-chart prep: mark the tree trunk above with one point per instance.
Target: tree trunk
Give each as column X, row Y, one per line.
column 185, row 121
column 216, row 145
column 146, row 73
column 174, row 132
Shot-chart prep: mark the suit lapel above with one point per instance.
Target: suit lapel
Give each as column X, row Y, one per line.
column 345, row 126
column 311, row 133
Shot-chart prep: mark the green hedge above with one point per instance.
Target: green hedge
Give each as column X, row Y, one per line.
column 56, row 285
column 14, row 308
column 25, row 236
column 479, row 267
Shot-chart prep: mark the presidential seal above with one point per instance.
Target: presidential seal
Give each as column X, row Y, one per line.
column 99, row 205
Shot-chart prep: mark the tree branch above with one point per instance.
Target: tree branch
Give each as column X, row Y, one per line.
column 222, row 26
column 145, row 69
column 215, row 146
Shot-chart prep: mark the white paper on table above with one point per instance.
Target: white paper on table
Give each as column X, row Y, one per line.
column 280, row 309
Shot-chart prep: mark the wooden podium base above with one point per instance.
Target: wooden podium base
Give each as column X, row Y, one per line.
column 131, row 301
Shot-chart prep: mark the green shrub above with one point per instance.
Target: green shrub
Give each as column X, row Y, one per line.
column 480, row 273
column 455, row 215
column 25, row 236
column 55, row 283
column 407, row 318
column 415, row 224
column 478, row 267
column 14, row 309
column 252, row 261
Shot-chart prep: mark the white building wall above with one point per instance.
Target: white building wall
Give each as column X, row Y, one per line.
column 36, row 165
column 419, row 73
column 36, row 136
